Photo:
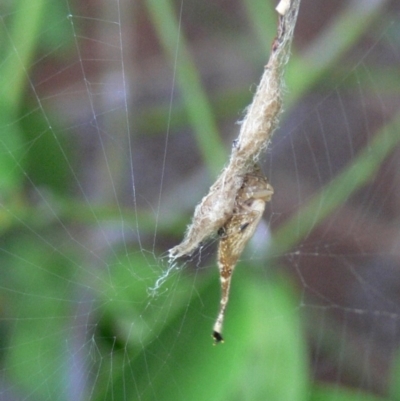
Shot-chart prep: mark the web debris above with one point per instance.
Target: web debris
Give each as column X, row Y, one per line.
column 261, row 120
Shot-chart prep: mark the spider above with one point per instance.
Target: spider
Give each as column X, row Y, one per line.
column 237, row 231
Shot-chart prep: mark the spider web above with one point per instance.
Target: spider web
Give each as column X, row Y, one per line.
column 102, row 161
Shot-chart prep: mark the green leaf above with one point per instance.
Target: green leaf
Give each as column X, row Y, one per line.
column 49, row 158
column 11, row 152
column 19, row 48
column 36, row 289
column 263, row 356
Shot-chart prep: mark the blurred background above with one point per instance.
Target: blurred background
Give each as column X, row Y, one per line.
column 116, row 117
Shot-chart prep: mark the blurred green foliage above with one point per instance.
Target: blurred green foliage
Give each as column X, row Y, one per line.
column 140, row 347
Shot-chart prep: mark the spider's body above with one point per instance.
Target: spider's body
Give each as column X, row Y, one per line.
column 237, row 231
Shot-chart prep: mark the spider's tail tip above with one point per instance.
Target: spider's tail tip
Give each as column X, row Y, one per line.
column 217, row 337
